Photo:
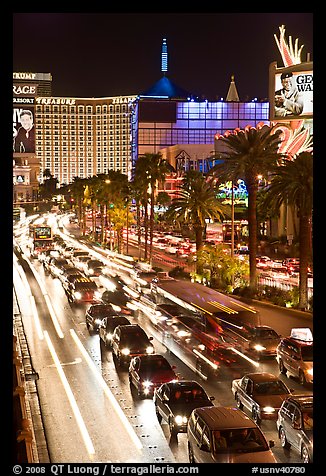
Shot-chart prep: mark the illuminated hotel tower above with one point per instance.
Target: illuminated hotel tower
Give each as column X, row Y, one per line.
column 164, row 56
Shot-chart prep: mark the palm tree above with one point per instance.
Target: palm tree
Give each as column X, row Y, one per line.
column 156, row 168
column 196, row 202
column 245, row 155
column 292, row 184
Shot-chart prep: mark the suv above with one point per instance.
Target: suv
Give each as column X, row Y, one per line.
column 294, row 355
column 129, row 341
column 83, row 290
column 226, row 435
column 295, row 425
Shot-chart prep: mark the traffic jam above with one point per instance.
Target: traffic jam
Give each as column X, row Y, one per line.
column 128, row 307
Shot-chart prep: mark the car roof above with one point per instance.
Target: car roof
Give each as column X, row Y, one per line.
column 300, row 342
column 184, row 383
column 152, row 357
column 303, row 400
column 262, row 377
column 224, row 417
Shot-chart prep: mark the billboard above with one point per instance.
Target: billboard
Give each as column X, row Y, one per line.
column 291, row 92
column 23, row 129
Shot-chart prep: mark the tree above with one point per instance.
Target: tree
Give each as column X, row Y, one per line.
column 246, row 154
column 196, row 202
column 292, row 184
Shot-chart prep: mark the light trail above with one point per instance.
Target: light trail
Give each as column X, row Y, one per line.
column 107, row 391
column 71, row 398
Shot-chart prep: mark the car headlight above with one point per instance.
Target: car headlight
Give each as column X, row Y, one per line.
column 125, row 351
column 149, row 350
column 179, row 419
column 78, row 295
column 109, row 336
column 310, row 372
column 259, row 347
column 97, row 321
column 147, row 383
column 268, row 409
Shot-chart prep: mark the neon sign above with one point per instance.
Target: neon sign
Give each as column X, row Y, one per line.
column 240, row 193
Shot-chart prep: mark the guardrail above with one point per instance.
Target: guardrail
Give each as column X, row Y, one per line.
column 23, row 432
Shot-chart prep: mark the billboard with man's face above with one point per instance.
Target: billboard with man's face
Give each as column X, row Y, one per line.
column 291, row 92
column 23, row 130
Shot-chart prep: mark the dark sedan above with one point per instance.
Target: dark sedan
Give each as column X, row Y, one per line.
column 147, row 372
column 95, row 314
column 174, row 402
column 108, row 325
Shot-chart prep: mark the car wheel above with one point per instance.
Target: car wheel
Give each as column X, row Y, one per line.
column 158, row 415
column 238, row 402
column 302, row 378
column 191, row 454
column 281, row 367
column 284, row 442
column 305, row 455
column 255, row 416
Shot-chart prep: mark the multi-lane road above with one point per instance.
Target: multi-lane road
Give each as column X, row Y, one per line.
column 88, row 409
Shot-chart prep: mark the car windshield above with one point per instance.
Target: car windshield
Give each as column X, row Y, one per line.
column 270, row 388
column 134, row 338
column 188, row 395
column 154, row 365
column 266, row 334
column 101, row 310
column 307, row 353
column 239, row 440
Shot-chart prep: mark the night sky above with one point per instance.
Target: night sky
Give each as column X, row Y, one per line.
column 112, row 54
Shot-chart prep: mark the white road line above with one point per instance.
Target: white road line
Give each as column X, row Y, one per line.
column 71, row 398
column 107, row 391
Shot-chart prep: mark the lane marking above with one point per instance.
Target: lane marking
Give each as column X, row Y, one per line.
column 71, row 398
column 107, row 391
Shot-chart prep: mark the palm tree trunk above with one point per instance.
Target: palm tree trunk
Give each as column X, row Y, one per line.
column 252, row 225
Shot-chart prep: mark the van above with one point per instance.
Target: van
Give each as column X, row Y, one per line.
column 226, row 435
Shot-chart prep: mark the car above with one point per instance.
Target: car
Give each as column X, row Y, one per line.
column 263, row 341
column 81, row 261
column 218, row 434
column 147, row 372
column 69, row 276
column 83, row 289
column 119, row 300
column 54, row 266
column 108, row 325
column 261, row 394
column 95, row 314
column 174, row 402
column 93, row 267
column 128, row 341
column 263, row 262
column 295, row 425
column 294, row 355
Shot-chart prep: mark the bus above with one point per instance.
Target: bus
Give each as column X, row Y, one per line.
column 221, row 325
column 41, row 238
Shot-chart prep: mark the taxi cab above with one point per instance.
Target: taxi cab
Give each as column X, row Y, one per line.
column 294, row 355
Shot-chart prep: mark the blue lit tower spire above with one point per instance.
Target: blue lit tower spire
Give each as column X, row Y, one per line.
column 164, row 57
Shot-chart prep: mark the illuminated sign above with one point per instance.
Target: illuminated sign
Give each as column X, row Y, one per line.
column 57, row 101
column 25, row 89
column 291, row 92
column 240, row 194
column 23, row 130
